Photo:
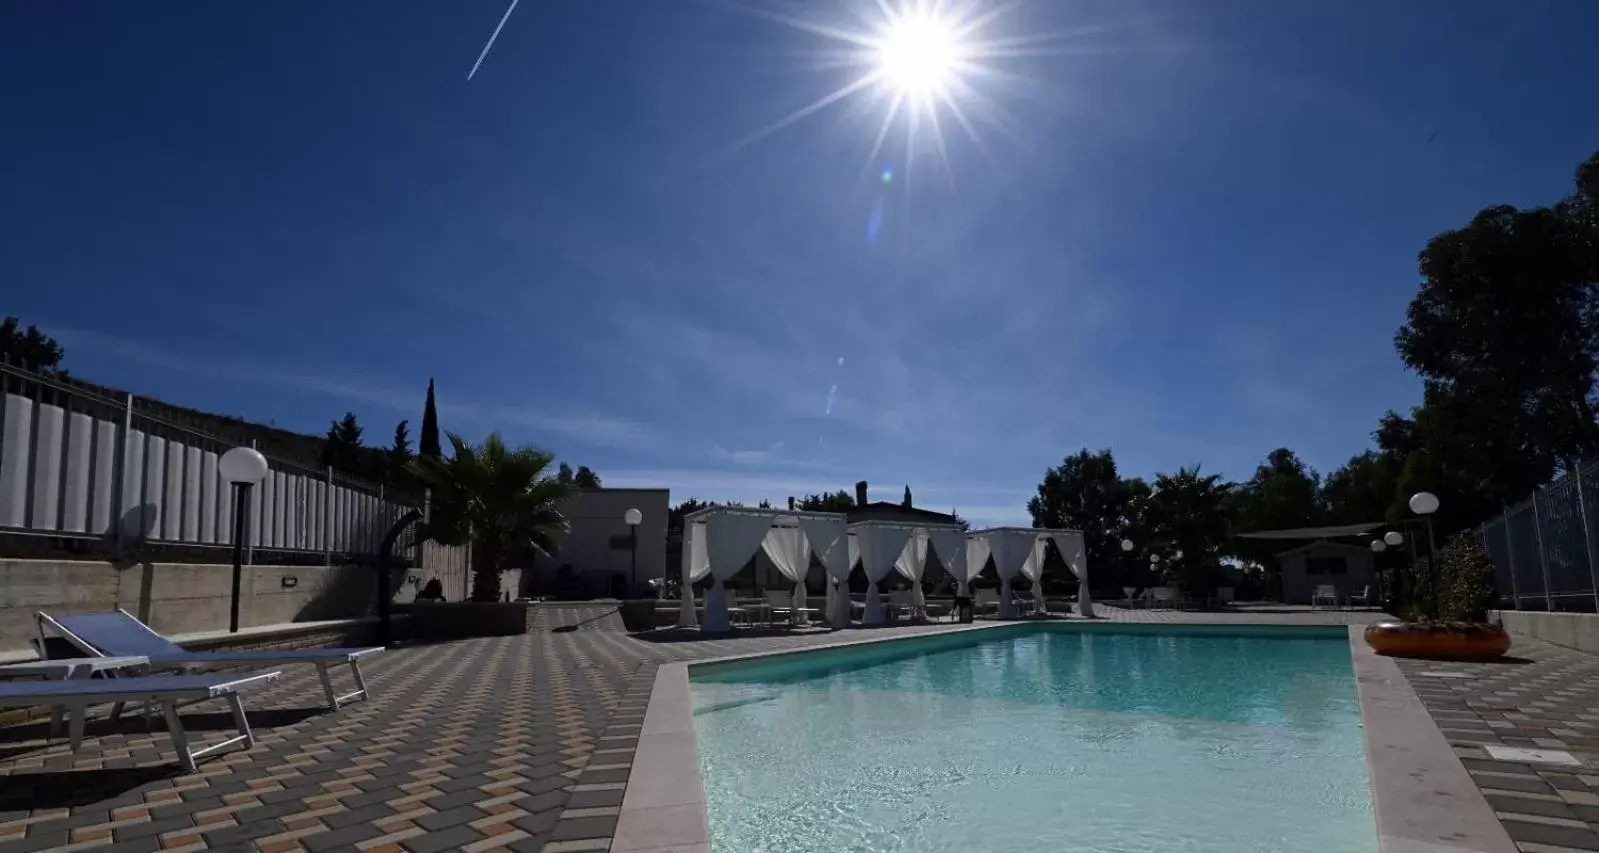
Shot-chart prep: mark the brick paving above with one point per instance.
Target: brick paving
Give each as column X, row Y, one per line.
column 525, row 743
column 1545, row 698
column 516, row 743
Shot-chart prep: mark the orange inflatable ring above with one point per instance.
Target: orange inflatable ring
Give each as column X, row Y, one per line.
column 1446, row 640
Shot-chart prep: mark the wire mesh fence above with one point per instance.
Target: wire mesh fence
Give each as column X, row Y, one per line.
column 1543, row 548
column 78, row 463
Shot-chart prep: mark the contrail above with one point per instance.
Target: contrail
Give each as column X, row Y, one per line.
column 830, row 392
column 503, row 18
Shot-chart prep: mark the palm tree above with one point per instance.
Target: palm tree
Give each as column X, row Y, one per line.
column 503, row 500
column 1191, row 512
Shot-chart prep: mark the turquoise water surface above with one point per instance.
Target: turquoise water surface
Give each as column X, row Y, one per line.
column 1044, row 740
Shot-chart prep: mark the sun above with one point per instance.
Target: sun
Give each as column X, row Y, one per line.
column 919, row 54
column 928, row 65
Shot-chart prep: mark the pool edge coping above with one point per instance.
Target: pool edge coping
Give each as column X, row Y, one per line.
column 1423, row 800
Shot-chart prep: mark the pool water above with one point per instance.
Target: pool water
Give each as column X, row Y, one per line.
column 1050, row 740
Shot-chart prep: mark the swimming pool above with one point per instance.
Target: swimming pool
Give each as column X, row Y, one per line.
column 1044, row 739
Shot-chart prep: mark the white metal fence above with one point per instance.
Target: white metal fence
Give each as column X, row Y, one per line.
column 1543, row 548
column 77, row 464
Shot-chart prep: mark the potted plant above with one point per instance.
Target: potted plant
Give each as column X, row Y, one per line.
column 1459, row 629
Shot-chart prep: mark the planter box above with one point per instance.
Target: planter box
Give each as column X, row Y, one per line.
column 459, row 620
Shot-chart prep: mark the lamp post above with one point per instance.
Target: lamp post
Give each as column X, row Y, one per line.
column 1425, row 504
column 633, row 518
column 241, row 467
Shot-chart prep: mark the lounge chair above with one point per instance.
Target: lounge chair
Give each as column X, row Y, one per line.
column 780, row 603
column 1163, row 597
column 117, row 632
column 168, row 690
column 1363, row 598
column 904, row 603
column 982, row 599
column 1325, row 594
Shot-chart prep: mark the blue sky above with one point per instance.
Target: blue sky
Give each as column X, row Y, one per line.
column 1186, row 231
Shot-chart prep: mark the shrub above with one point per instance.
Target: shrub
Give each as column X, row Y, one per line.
column 1465, row 580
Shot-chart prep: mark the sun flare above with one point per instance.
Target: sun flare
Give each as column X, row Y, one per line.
column 919, row 54
column 930, row 66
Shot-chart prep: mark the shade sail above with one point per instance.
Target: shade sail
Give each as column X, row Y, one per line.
column 1314, row 532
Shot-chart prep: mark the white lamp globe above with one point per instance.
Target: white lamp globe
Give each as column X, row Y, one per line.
column 1378, row 546
column 1394, row 538
column 1424, row 503
column 633, row 517
column 1154, row 558
column 1127, row 544
column 242, row 465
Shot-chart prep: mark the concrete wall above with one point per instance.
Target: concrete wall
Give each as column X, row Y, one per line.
column 1298, row 585
column 178, row 598
column 596, row 517
column 1573, row 630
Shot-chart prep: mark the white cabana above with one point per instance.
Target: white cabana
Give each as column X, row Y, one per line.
column 1021, row 549
column 720, row 541
column 878, row 544
column 950, row 546
column 912, row 561
column 829, row 539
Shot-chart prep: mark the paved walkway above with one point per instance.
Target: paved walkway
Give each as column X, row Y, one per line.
column 1545, row 699
column 517, row 743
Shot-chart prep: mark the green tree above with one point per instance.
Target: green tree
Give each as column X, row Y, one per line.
column 29, row 348
column 1086, row 493
column 341, row 450
column 1505, row 331
column 839, row 501
column 1364, row 489
column 564, row 474
column 428, row 442
column 501, row 499
column 1189, row 513
column 585, row 478
column 399, row 454
column 1284, row 493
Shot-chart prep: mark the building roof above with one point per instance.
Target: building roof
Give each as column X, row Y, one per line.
column 889, row 511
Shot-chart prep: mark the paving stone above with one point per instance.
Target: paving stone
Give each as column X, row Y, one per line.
column 583, row 827
column 453, row 838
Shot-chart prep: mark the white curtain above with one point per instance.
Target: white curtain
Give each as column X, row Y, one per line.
column 912, row 563
column 695, row 565
column 731, row 539
column 978, row 550
column 791, row 554
column 879, row 546
column 829, row 538
column 1033, row 570
column 1011, row 548
column 1072, row 551
column 950, row 545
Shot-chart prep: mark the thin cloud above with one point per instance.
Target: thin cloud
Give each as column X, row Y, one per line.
column 747, row 457
column 588, row 427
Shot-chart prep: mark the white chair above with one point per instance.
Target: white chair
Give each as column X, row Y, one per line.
column 168, row 690
column 1325, row 594
column 779, row 603
column 982, row 599
column 1164, row 597
column 904, row 603
column 1363, row 598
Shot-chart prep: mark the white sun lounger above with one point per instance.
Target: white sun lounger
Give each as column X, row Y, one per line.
column 168, row 690
column 116, row 633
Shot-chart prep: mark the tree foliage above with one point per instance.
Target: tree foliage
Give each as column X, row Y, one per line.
column 1085, row 492
column 839, row 501
column 1284, row 493
column 341, row 451
column 428, row 442
column 29, row 348
column 1191, row 514
column 501, row 499
column 399, row 453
